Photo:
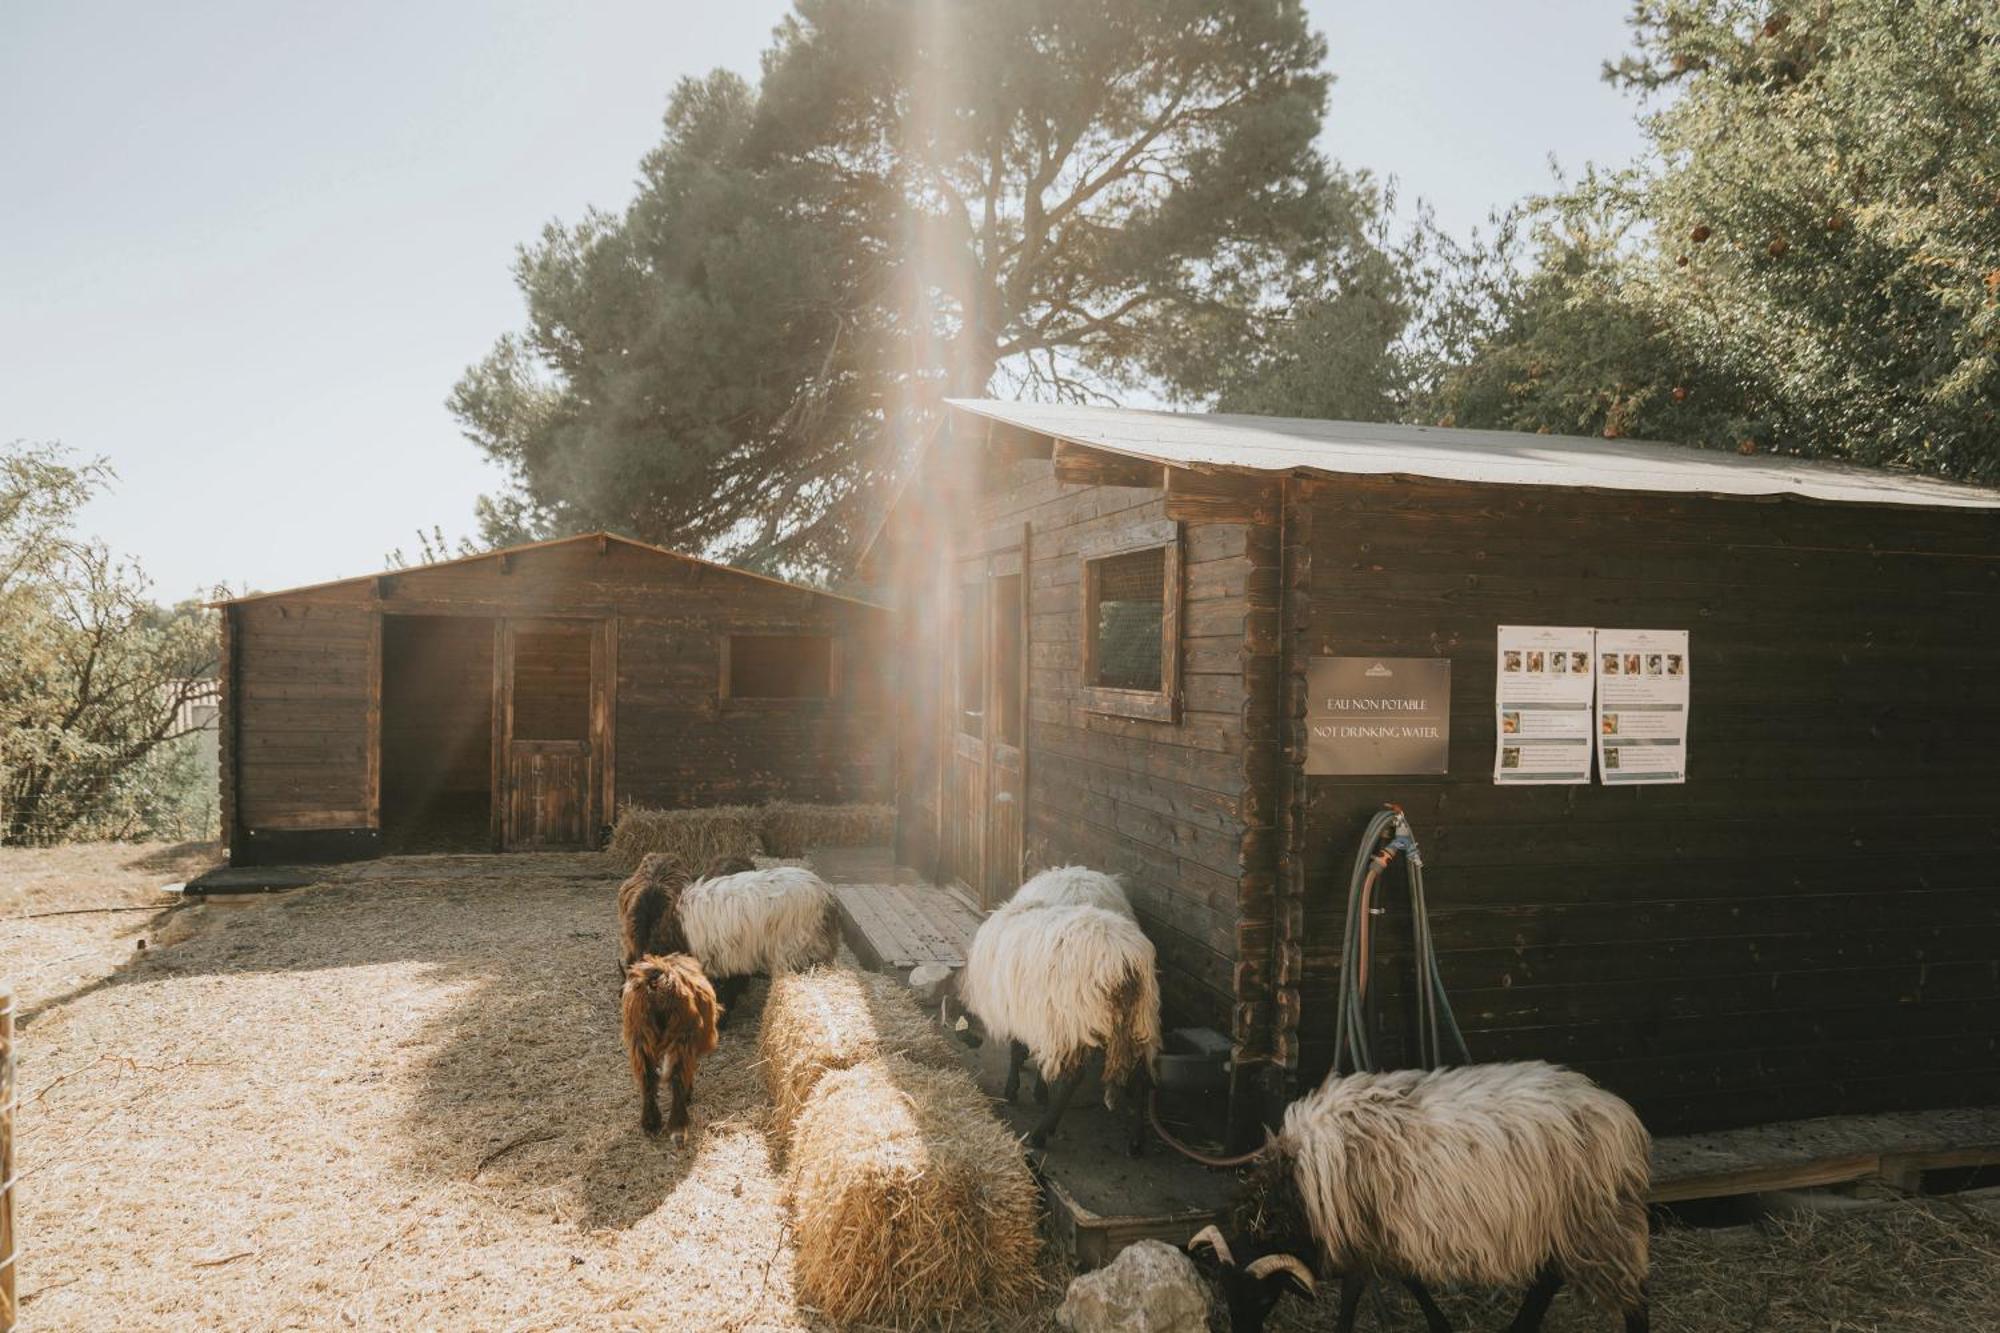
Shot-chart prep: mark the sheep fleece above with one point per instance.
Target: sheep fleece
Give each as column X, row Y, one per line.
column 1073, row 886
column 1478, row 1174
column 1056, row 978
column 766, row 921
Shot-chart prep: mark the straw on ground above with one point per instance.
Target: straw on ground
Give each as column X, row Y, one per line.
column 315, row 1081
column 398, row 1100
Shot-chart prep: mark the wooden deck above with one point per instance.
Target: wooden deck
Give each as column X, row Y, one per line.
column 1895, row 1148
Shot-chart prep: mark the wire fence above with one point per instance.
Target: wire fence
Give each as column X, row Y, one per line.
column 9, row 1100
column 173, row 794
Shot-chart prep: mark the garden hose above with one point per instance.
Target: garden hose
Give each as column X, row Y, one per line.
column 1389, row 837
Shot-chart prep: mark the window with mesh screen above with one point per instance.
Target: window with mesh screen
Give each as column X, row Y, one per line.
column 1130, row 594
column 780, row 666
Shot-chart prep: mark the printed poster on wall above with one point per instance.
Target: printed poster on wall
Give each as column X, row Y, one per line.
column 1547, row 676
column 1642, row 706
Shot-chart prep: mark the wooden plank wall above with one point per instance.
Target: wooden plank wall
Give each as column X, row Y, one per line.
column 304, row 673
column 1161, row 802
column 225, row 728
column 1812, row 924
column 552, row 673
column 680, row 744
column 920, row 687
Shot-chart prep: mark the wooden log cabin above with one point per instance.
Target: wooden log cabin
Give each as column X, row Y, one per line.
column 1110, row 618
column 515, row 699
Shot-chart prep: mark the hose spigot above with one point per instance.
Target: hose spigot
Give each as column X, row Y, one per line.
column 1404, row 839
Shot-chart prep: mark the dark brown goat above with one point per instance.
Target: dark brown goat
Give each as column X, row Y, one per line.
column 649, row 903
column 649, row 918
column 669, row 1012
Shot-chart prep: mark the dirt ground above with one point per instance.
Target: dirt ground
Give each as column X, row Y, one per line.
column 398, row 1100
column 54, row 935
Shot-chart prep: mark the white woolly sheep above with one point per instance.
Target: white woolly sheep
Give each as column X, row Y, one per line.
column 1059, row 983
column 758, row 921
column 1499, row 1175
column 1072, row 886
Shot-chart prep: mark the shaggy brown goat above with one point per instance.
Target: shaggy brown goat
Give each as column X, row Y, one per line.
column 649, row 916
column 669, row 1012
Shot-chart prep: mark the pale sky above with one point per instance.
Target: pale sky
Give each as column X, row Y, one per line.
column 246, row 249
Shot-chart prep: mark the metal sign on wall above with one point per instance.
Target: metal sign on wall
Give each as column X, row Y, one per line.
column 1377, row 715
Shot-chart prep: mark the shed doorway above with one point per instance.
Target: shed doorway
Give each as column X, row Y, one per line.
column 989, row 756
column 437, row 733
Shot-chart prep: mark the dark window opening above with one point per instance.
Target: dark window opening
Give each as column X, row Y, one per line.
column 552, row 683
column 780, row 666
column 1130, row 594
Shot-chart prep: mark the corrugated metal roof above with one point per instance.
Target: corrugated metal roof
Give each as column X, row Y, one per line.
column 1494, row 457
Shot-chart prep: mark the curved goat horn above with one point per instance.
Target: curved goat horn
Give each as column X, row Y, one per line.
column 1287, row 1264
column 1193, row 1155
column 1212, row 1238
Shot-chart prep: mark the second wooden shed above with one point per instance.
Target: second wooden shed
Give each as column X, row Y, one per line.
column 515, row 699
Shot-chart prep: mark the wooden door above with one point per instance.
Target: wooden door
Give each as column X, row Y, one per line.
column 1006, row 729
column 988, row 755
column 965, row 842
column 548, row 795
column 550, row 712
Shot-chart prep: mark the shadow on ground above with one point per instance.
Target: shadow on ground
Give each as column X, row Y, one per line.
column 185, row 859
column 412, row 1107
column 502, row 1043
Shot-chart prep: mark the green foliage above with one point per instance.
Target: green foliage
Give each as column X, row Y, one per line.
column 1334, row 346
column 689, row 374
column 1809, row 263
column 95, row 679
column 921, row 198
column 433, row 548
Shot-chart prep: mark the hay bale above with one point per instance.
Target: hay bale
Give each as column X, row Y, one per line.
column 792, row 828
column 831, row 1018
column 695, row 838
column 910, row 1200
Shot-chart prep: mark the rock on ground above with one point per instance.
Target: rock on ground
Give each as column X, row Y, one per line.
column 1151, row 1287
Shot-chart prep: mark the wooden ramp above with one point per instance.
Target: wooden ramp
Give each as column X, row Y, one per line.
column 894, row 927
column 891, row 918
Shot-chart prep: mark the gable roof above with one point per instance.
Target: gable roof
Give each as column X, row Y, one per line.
column 495, row 554
column 1224, row 442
